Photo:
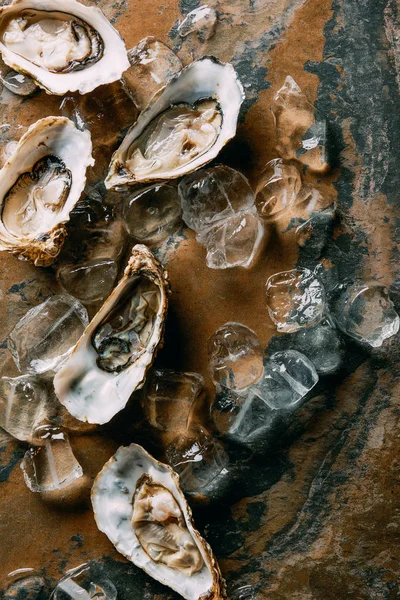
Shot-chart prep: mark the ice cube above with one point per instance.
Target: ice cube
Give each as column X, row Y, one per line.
column 365, row 312
column 198, row 458
column 242, row 417
column 45, row 336
column 152, row 66
column 235, row 243
column 51, row 466
column 86, row 582
column 90, row 281
column 315, row 232
column 19, row 83
column 72, row 109
column 170, row 397
column 235, row 356
column 202, row 20
column 322, row 345
column 295, row 299
column 154, row 213
column 299, row 133
column 288, row 376
column 24, row 584
column 209, row 196
column 279, row 187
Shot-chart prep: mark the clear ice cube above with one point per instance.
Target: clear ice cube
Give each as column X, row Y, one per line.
column 19, row 83
column 86, row 582
column 234, row 243
column 52, row 465
column 45, row 336
column 322, row 345
column 170, row 397
column 299, row 133
column 198, row 458
column 202, row 20
column 154, row 213
column 288, row 377
column 279, row 188
column 91, row 281
column 210, row 196
column 152, row 66
column 242, row 417
column 295, row 299
column 316, row 231
column 24, row 584
column 235, row 356
column 365, row 312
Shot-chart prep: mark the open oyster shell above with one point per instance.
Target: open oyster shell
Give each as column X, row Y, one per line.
column 139, row 505
column 184, row 127
column 40, row 185
column 111, row 359
column 63, row 45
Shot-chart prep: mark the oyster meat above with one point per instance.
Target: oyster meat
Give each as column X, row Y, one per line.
column 111, row 359
column 185, row 126
column 40, row 185
column 139, row 505
column 64, row 46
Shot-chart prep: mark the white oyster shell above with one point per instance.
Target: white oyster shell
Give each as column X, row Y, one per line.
column 114, row 496
column 109, row 66
column 91, row 393
column 37, row 232
column 204, row 79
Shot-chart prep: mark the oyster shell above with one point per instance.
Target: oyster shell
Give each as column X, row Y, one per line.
column 184, row 127
column 111, row 359
column 40, row 185
column 139, row 505
column 64, row 46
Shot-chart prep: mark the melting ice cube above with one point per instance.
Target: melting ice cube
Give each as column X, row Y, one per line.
column 86, row 582
column 202, row 20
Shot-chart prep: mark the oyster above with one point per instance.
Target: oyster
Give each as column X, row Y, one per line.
column 39, row 186
column 64, row 46
column 111, row 359
column 184, row 127
column 139, row 505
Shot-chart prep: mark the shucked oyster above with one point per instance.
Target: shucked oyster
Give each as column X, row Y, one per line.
column 185, row 126
column 111, row 359
column 64, row 46
column 39, row 186
column 139, row 505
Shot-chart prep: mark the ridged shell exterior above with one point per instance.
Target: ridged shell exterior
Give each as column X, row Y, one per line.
column 203, row 78
column 52, row 135
column 107, row 69
column 112, row 496
column 90, row 393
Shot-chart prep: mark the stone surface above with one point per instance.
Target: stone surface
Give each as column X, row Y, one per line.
column 86, row 582
column 45, row 336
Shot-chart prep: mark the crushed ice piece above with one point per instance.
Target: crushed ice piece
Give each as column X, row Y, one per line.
column 317, row 229
column 71, row 108
column 295, row 299
column 153, row 213
column 365, row 312
column 278, row 189
column 198, row 458
column 170, row 397
column 152, row 66
column 19, row 83
column 45, row 336
column 288, row 377
column 235, row 356
column 24, row 584
column 91, row 281
column 86, row 582
column 300, row 134
column 218, row 204
column 235, row 243
column 210, row 196
column 202, row 20
column 52, row 465
column 322, row 345
column 242, row 417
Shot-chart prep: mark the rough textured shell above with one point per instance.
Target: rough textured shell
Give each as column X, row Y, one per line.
column 204, row 78
column 100, row 395
column 112, row 507
column 52, row 135
column 107, row 69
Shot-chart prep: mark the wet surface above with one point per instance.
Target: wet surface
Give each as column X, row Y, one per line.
column 315, row 514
